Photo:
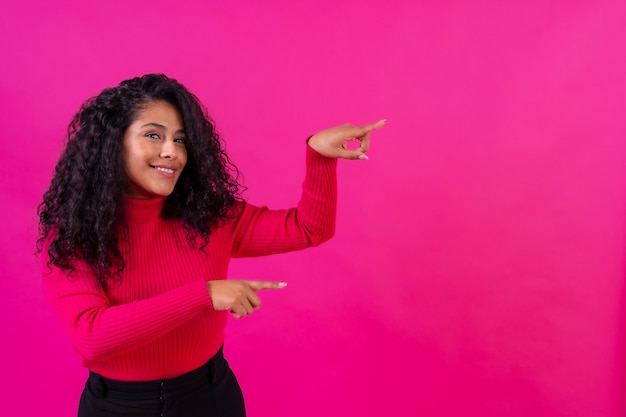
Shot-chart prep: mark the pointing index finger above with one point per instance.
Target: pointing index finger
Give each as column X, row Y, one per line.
column 365, row 135
column 373, row 126
column 359, row 132
column 266, row 285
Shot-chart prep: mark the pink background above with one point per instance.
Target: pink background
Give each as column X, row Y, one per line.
column 478, row 266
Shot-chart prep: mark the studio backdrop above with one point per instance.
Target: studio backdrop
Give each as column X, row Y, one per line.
column 478, row 263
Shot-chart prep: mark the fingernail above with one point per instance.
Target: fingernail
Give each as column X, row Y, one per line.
column 384, row 120
column 282, row 284
column 363, row 157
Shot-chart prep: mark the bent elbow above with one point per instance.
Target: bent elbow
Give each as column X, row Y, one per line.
column 90, row 340
column 322, row 235
column 89, row 349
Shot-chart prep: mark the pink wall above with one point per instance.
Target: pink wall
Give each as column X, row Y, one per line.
column 478, row 268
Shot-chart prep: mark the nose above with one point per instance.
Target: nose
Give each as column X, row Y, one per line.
column 168, row 150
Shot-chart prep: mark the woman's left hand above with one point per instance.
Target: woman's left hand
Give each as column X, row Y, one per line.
column 333, row 142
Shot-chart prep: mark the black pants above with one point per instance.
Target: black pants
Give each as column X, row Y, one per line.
column 209, row 391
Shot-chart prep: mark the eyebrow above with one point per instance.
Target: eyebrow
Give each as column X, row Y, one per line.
column 161, row 127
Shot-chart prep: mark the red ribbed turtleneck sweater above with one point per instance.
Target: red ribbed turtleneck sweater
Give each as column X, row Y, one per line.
column 159, row 322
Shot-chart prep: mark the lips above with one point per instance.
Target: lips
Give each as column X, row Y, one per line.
column 168, row 171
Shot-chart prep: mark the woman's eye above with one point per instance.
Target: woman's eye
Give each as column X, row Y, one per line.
column 180, row 140
column 153, row 135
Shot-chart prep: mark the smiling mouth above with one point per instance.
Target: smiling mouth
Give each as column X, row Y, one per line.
column 166, row 170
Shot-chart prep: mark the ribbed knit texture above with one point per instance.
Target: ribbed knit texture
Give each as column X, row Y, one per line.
column 159, row 321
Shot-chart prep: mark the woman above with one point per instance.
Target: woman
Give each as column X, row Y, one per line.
column 136, row 230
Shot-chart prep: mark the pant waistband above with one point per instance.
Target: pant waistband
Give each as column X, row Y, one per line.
column 155, row 388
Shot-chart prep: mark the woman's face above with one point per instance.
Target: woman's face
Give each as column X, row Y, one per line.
column 154, row 151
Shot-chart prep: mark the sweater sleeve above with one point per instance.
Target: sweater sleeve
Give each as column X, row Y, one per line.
column 98, row 329
column 258, row 231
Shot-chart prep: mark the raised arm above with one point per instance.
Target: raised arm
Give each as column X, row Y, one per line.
column 259, row 231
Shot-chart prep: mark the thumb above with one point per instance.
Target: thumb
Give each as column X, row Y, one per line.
column 266, row 285
column 356, row 154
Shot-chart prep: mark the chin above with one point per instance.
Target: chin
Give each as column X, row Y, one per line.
column 168, row 193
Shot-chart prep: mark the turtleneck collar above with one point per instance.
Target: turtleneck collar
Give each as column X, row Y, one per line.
column 143, row 210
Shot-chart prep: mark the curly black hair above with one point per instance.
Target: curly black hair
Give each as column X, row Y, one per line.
column 82, row 211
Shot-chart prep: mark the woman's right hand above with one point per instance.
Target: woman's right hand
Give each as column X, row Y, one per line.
column 237, row 296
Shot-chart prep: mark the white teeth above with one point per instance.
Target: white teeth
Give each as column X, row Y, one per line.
column 169, row 171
